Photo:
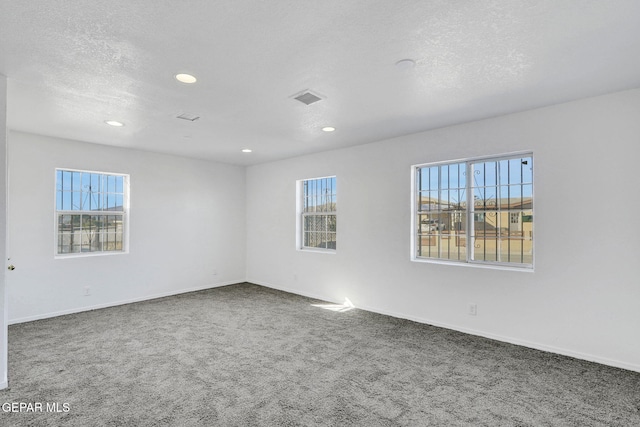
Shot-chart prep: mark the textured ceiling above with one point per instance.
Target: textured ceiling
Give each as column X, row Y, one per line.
column 71, row 65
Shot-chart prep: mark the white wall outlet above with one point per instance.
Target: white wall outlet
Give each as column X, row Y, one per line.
column 473, row 309
column 87, row 291
column 215, row 271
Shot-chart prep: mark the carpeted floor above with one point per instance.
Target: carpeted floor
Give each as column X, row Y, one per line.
column 244, row 355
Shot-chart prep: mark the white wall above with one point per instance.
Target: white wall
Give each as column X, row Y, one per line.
column 3, row 231
column 582, row 299
column 186, row 223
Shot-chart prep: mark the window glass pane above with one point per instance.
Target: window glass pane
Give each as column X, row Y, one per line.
column 490, row 197
column 119, row 241
column 423, row 179
column 433, row 178
column 454, row 176
column 85, row 201
column 314, row 239
column 76, row 201
column 111, row 184
column 503, row 172
column 59, row 198
column 76, row 182
column 66, row 180
column 444, row 176
column 456, row 197
column 449, row 199
column 75, row 232
column 491, row 175
column 433, row 201
column 423, row 202
column 515, row 193
column 425, row 244
column 444, row 199
column 520, row 170
column 448, row 250
column 478, row 175
column 478, row 199
column 527, row 170
column 311, row 223
column 63, row 243
column 86, row 182
column 96, row 182
column 119, row 184
column 99, row 223
column 421, row 227
column 483, row 248
column 62, row 221
column 97, row 201
column 111, row 202
column 113, row 223
column 58, row 180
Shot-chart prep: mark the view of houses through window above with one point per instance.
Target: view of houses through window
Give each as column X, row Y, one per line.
column 476, row 211
column 319, row 213
column 90, row 212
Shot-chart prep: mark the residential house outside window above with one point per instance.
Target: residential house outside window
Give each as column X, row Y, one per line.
column 475, row 211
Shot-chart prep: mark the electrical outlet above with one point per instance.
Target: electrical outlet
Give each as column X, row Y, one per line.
column 215, row 271
column 87, row 291
column 473, row 309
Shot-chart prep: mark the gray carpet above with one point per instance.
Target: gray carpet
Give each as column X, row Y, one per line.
column 245, row 355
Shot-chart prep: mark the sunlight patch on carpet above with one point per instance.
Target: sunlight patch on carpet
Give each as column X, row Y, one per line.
column 345, row 306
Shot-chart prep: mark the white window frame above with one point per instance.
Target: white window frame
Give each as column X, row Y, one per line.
column 301, row 214
column 470, row 212
column 124, row 213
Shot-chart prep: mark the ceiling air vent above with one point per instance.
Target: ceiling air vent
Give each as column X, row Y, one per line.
column 307, row 97
column 187, row 116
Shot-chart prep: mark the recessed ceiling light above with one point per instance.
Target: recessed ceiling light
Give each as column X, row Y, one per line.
column 246, row 150
column 328, row 129
column 405, row 64
column 114, row 123
column 186, row 78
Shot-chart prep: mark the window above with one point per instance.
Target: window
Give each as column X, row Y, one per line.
column 318, row 213
column 91, row 212
column 476, row 211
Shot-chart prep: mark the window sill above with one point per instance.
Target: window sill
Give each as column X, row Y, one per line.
column 475, row 265
column 88, row 254
column 318, row 250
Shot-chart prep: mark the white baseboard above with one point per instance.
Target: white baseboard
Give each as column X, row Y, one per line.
column 121, row 302
column 510, row 340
